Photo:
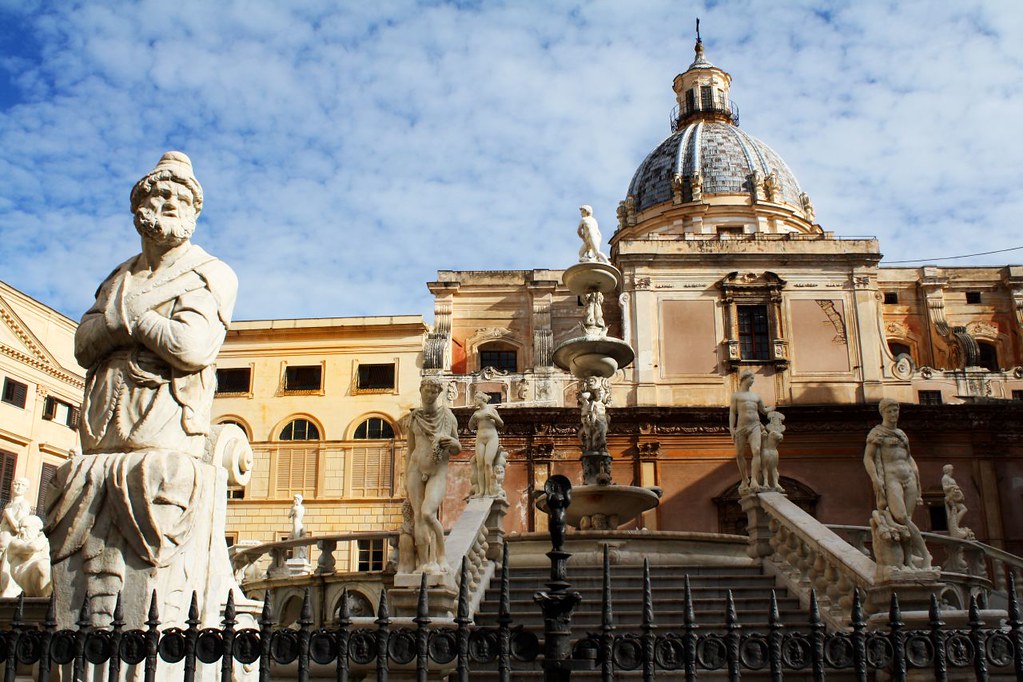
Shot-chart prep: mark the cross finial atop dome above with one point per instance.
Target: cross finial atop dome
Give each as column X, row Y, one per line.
column 700, row 62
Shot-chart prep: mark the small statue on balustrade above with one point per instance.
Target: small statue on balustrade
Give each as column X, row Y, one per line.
column 955, row 506
column 486, row 422
column 297, row 517
column 764, row 466
column 898, row 542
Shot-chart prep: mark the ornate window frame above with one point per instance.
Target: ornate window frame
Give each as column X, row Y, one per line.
column 749, row 288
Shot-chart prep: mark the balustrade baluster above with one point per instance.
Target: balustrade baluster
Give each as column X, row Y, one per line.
column 327, row 562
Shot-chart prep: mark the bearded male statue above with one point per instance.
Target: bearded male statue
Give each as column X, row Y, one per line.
column 140, row 510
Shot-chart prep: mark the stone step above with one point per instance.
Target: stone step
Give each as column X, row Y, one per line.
column 660, row 594
column 756, row 604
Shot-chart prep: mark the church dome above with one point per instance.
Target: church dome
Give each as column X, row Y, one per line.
column 708, row 159
column 729, row 161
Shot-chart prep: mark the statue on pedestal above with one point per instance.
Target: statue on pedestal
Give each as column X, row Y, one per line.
column 955, row 506
column 432, row 439
column 764, row 467
column 29, row 557
column 486, row 422
column 140, row 510
column 744, row 424
column 17, row 510
column 897, row 541
column 589, row 232
column 297, row 515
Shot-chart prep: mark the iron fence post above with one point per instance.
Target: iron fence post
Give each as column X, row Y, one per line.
column 557, row 603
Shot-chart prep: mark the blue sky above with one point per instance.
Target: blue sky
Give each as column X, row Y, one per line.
column 350, row 150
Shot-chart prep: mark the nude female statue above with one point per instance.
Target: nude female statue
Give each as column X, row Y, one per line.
column 486, row 422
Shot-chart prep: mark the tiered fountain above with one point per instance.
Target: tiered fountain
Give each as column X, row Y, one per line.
column 593, row 358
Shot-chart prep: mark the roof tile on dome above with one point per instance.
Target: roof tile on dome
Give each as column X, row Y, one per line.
column 725, row 156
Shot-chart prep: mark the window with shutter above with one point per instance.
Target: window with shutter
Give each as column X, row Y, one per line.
column 8, row 462
column 297, row 469
column 49, row 408
column 15, row 393
column 369, row 471
column 46, row 474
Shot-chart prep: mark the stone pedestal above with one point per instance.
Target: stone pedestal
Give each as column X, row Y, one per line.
column 758, row 527
column 442, row 592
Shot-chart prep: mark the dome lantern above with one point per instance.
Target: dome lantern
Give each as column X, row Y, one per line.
column 702, row 92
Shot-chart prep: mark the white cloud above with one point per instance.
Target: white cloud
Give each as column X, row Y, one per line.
column 349, row 152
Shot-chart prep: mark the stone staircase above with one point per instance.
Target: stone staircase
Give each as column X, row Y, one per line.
column 709, row 585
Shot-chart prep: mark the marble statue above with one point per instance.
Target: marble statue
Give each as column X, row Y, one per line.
column 593, row 319
column 500, row 466
column 28, row 555
column 297, row 516
column 955, row 506
column 486, row 422
column 772, row 186
column 764, row 468
column 895, row 477
column 593, row 400
column 432, row 440
column 17, row 510
column 696, row 185
column 140, row 510
column 744, row 424
column 808, row 209
column 589, row 232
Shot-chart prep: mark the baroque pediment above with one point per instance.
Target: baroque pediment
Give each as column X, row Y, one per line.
column 17, row 341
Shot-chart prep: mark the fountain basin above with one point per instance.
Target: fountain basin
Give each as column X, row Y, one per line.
column 588, row 356
column 606, row 507
column 582, row 278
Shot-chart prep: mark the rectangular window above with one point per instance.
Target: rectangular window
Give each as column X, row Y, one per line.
column 376, row 377
column 929, row 397
column 706, row 97
column 46, row 474
column 369, row 473
column 371, row 555
column 891, row 297
column 754, row 336
column 495, row 397
column 296, row 471
column 56, row 410
column 303, row 378
column 231, row 539
column 15, row 392
column 8, row 463
column 235, row 492
column 504, row 360
column 973, row 297
column 234, row 380
column 690, row 101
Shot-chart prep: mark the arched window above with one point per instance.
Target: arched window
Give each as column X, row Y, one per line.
column 300, row 429
column 988, row 356
column 374, row 428
column 898, row 349
column 500, row 356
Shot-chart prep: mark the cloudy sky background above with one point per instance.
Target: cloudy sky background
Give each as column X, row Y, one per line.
column 348, row 153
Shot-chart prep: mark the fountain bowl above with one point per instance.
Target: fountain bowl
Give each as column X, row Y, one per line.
column 597, row 505
column 582, row 278
column 588, row 356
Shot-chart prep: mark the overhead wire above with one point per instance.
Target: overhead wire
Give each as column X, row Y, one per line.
column 969, row 255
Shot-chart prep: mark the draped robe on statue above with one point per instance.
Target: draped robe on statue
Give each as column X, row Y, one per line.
column 142, row 496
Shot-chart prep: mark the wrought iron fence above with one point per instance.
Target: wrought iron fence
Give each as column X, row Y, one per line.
column 459, row 648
